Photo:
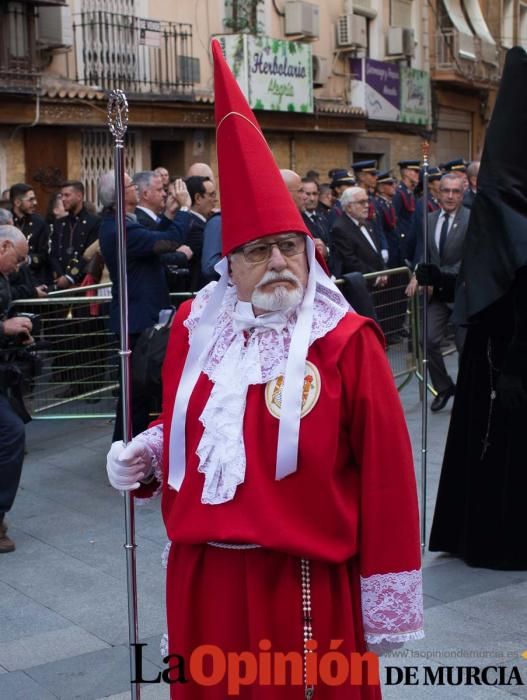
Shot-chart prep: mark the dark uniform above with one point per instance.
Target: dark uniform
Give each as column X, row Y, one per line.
column 387, row 222
column 71, row 236
column 404, row 204
column 416, row 233
column 36, row 231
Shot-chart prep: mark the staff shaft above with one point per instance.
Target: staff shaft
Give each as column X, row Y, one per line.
column 424, row 406
column 119, row 103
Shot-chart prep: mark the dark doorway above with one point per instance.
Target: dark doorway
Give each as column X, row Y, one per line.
column 46, row 161
column 170, row 155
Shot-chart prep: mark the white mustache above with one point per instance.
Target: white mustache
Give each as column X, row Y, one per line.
column 273, row 276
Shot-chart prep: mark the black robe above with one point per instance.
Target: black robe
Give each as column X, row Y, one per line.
column 480, row 512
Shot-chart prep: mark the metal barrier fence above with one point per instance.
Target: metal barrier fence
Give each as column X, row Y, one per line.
column 79, row 354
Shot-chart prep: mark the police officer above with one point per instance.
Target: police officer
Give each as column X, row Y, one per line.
column 35, row 229
column 71, row 236
column 386, row 216
column 404, row 203
column 13, row 253
column 416, row 231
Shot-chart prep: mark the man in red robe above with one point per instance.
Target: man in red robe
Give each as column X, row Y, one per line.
column 282, row 454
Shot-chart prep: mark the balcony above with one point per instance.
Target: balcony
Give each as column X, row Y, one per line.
column 462, row 60
column 19, row 72
column 143, row 57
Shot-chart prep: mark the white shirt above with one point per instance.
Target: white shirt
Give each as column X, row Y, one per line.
column 364, row 232
column 439, row 225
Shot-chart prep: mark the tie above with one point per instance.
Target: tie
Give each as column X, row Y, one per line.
column 443, row 234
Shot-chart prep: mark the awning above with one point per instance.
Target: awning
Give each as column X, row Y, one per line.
column 466, row 37
column 489, row 52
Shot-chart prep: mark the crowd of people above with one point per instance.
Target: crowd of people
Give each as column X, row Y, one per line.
column 361, row 221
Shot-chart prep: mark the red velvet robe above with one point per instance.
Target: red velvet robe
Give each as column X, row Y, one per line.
column 350, row 508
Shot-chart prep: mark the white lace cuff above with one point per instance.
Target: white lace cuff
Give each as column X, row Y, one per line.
column 392, row 607
column 153, row 440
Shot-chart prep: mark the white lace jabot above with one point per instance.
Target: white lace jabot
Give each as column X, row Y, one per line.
column 234, row 360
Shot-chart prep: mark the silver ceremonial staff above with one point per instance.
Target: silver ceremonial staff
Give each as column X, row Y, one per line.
column 424, row 420
column 118, row 123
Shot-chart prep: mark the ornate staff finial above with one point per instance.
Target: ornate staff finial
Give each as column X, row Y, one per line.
column 425, row 147
column 117, row 115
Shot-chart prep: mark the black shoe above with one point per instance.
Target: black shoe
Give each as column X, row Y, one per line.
column 441, row 399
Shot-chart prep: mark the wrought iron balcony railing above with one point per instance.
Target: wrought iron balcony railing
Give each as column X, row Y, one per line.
column 467, row 57
column 18, row 61
column 141, row 56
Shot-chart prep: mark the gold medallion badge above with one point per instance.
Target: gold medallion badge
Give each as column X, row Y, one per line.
column 310, row 394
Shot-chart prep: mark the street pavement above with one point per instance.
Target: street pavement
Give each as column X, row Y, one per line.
column 63, row 613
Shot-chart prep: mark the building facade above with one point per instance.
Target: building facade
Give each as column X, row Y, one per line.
column 331, row 82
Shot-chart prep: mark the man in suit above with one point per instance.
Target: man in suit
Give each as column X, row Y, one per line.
column 447, row 227
column 357, row 245
column 202, row 191
column 147, row 285
column 155, row 210
column 152, row 199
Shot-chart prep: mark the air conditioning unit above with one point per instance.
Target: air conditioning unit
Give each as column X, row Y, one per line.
column 55, row 28
column 352, row 31
column 302, row 18
column 400, row 41
column 364, row 7
column 320, row 70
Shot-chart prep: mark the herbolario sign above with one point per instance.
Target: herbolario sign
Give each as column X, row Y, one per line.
column 273, row 74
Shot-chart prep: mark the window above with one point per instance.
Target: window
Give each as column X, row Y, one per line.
column 507, row 31
column 401, row 13
column 523, row 26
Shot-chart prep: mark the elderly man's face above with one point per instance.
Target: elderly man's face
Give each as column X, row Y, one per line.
column 357, row 208
column 154, row 197
column 12, row 255
column 451, row 194
column 271, row 272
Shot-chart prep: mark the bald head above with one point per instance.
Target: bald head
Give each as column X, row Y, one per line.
column 294, row 184
column 13, row 249
column 201, row 170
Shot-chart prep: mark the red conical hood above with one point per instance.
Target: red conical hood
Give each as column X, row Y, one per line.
column 255, row 201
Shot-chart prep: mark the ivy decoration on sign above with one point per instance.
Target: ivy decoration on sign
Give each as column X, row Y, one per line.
column 242, row 16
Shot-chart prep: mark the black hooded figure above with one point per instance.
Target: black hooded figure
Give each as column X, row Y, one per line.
column 481, row 513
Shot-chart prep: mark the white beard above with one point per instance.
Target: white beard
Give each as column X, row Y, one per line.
column 280, row 298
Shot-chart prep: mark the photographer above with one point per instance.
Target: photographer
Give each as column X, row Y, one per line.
column 14, row 332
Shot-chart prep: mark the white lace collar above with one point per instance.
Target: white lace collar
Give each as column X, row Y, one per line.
column 234, row 360
column 272, row 347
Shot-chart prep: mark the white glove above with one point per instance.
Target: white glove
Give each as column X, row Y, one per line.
column 127, row 466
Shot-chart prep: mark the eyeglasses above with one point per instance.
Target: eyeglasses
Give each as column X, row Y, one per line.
column 261, row 252
column 447, row 191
